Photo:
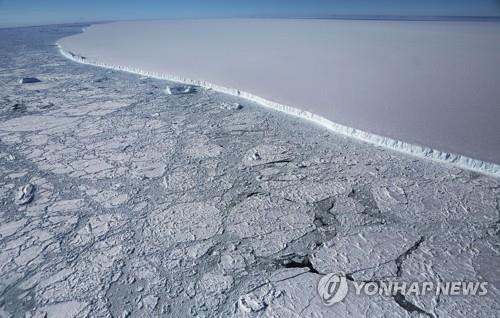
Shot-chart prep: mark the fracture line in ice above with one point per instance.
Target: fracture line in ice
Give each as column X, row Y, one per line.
column 386, row 142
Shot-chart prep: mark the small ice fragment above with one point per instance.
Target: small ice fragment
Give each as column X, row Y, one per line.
column 256, row 156
column 233, row 106
column 18, row 107
column 25, row 194
column 251, row 304
column 29, row 80
column 100, row 79
column 45, row 106
column 88, row 227
column 302, row 164
column 179, row 90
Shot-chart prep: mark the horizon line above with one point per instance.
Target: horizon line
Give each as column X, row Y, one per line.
column 354, row 17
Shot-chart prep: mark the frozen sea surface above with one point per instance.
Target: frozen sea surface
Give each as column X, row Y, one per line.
column 426, row 83
column 119, row 200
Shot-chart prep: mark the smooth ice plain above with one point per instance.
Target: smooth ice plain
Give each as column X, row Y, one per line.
column 120, row 200
column 431, row 85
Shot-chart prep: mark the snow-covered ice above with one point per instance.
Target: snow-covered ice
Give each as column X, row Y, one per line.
column 425, row 88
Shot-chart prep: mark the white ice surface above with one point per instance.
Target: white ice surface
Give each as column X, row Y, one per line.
column 409, row 86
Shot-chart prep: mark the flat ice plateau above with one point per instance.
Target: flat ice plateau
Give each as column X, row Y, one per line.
column 120, row 200
column 425, row 88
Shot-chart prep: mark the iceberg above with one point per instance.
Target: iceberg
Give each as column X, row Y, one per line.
column 421, row 88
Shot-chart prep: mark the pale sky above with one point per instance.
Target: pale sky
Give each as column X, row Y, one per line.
column 27, row 12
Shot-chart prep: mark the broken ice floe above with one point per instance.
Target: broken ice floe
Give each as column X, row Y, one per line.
column 29, row 80
column 183, row 223
column 180, row 90
column 285, row 222
column 366, row 250
column 25, row 194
